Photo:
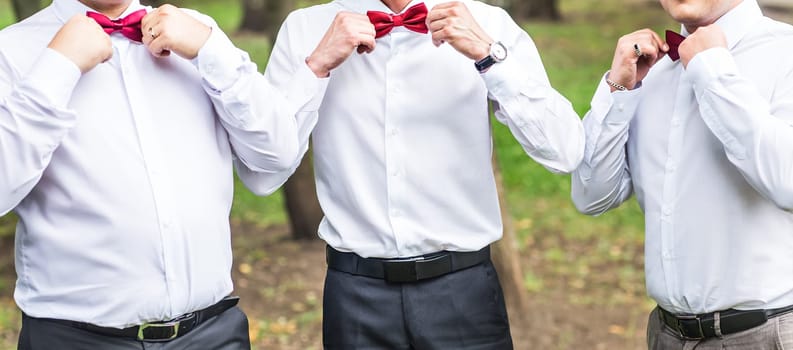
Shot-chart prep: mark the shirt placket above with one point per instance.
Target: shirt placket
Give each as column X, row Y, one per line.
column 157, row 173
column 683, row 100
column 394, row 148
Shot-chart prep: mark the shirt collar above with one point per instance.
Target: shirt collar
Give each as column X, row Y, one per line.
column 361, row 6
column 66, row 9
column 737, row 22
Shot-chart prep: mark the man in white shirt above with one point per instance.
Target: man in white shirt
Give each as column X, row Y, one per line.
column 117, row 157
column 402, row 154
column 702, row 134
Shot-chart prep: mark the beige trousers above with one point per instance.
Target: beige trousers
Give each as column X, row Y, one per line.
column 776, row 334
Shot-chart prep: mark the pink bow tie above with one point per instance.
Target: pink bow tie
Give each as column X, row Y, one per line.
column 413, row 18
column 128, row 26
column 674, row 40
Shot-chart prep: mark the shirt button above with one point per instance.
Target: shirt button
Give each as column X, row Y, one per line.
column 394, row 132
column 666, row 255
column 675, row 122
column 670, row 168
column 667, row 211
column 209, row 68
column 621, row 107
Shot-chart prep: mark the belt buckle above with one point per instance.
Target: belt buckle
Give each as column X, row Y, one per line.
column 162, row 331
column 684, row 329
column 400, row 271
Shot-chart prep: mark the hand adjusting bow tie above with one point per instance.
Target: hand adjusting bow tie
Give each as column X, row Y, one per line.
column 129, row 26
column 673, row 40
column 413, row 18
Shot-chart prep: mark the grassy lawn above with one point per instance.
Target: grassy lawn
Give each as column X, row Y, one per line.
column 582, row 256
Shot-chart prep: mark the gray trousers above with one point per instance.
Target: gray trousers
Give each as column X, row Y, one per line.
column 776, row 334
column 227, row 331
column 463, row 310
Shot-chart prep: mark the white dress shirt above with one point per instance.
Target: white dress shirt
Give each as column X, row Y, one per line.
column 708, row 152
column 402, row 140
column 122, row 177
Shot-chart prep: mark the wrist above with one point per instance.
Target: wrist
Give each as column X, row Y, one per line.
column 482, row 51
column 319, row 70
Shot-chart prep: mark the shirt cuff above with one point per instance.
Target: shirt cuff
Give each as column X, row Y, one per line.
column 709, row 65
column 618, row 107
column 55, row 77
column 500, row 78
column 219, row 62
column 306, row 86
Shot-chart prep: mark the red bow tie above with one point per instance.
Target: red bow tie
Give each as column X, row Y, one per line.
column 413, row 18
column 673, row 40
column 128, row 26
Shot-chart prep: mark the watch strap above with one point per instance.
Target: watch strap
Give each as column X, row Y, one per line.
column 485, row 63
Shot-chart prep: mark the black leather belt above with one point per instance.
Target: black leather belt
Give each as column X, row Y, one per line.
column 158, row 331
column 695, row 327
column 404, row 270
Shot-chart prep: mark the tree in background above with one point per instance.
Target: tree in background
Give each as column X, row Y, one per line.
column 522, row 10
column 265, row 16
column 24, row 8
column 302, row 205
column 544, row 9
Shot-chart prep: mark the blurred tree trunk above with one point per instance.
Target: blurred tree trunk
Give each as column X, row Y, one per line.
column 158, row 3
column 265, row 16
column 302, row 205
column 24, row 8
column 507, row 261
column 522, row 10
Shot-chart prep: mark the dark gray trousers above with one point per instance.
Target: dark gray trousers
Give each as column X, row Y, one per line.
column 227, row 331
column 776, row 334
column 463, row 310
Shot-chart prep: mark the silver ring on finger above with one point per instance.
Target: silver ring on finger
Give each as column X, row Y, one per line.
column 152, row 34
column 637, row 50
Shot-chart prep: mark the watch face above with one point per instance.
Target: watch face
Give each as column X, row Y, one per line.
column 498, row 51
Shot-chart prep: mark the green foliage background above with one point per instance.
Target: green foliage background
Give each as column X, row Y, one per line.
column 568, row 250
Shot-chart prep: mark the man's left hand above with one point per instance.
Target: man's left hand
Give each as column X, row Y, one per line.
column 452, row 23
column 168, row 29
column 702, row 39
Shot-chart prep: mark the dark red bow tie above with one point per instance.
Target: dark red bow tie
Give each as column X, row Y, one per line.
column 128, row 26
column 413, row 18
column 673, row 40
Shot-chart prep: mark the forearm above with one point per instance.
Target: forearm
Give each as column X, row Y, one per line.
column 34, row 120
column 757, row 132
column 542, row 120
column 260, row 116
column 603, row 181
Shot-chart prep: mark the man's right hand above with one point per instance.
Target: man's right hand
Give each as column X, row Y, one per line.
column 628, row 68
column 83, row 41
column 348, row 32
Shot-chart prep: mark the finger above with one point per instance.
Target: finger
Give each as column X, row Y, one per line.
column 151, row 30
column 648, row 49
column 446, row 5
column 440, row 37
column 437, row 25
column 150, row 19
column 659, row 42
column 159, row 47
column 363, row 28
column 438, row 14
column 368, row 42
